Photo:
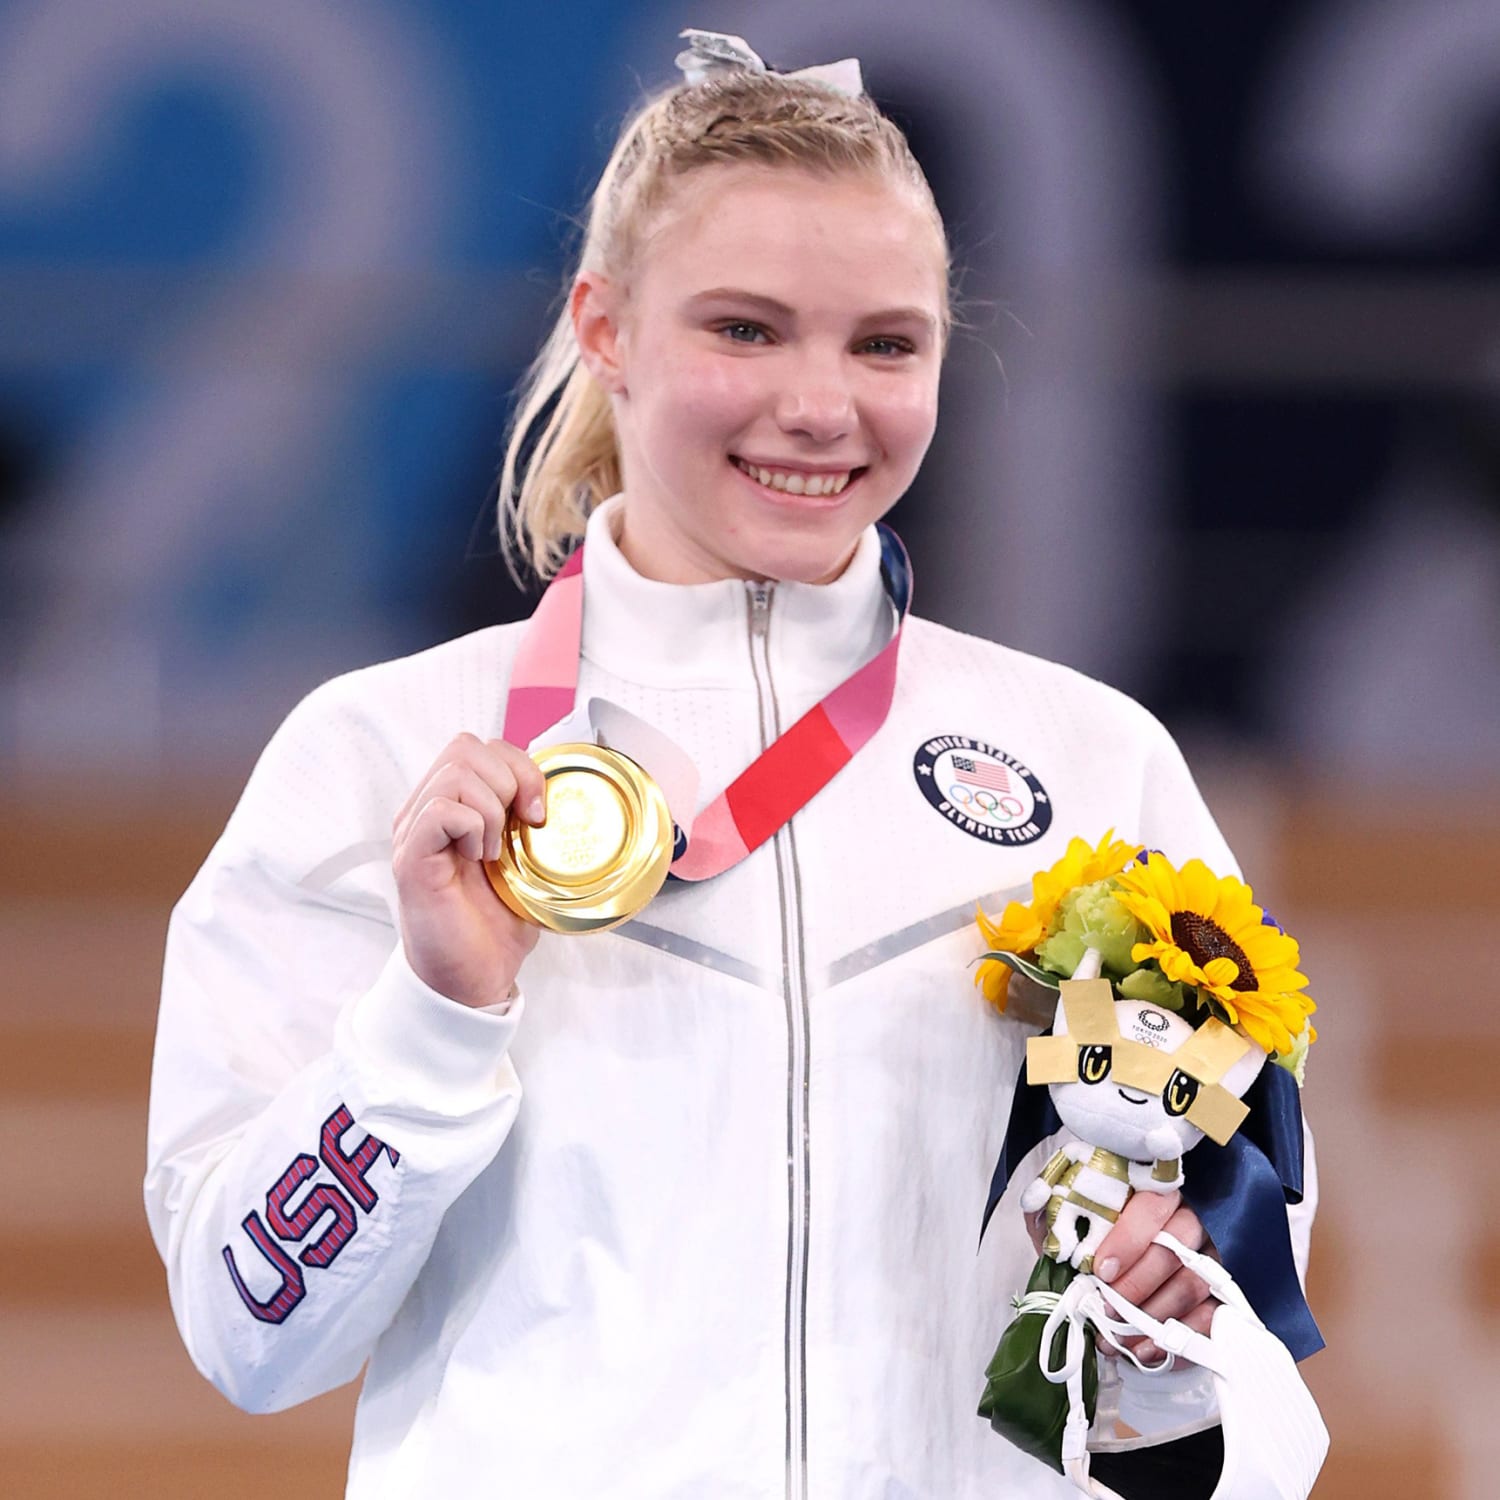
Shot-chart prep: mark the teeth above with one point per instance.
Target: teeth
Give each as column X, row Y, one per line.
column 797, row 484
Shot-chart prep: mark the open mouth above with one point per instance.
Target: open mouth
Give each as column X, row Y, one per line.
column 817, row 486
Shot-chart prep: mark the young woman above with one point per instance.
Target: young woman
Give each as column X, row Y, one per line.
column 725, row 1243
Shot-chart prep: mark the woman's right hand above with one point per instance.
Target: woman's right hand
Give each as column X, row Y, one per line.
column 460, row 938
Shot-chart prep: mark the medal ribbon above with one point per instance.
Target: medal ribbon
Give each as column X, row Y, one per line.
column 781, row 780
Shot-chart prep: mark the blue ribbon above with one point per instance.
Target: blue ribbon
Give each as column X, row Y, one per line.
column 1239, row 1191
column 895, row 568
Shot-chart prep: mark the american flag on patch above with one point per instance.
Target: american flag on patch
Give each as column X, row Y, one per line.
column 983, row 774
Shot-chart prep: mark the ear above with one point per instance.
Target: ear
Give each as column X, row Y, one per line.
column 1242, row 1073
column 1060, row 1019
column 594, row 306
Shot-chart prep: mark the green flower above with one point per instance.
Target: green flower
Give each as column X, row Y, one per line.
column 1090, row 917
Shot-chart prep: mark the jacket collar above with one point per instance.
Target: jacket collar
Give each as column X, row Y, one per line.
column 698, row 635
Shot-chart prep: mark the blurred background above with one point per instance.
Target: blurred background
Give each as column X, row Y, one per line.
column 1222, row 427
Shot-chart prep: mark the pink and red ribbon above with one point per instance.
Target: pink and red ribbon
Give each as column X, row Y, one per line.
column 781, row 780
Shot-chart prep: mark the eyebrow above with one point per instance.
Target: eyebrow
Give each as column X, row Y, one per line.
column 781, row 310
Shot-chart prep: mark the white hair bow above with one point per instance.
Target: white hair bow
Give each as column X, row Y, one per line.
column 712, row 52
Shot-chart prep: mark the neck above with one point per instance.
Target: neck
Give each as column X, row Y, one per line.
column 663, row 560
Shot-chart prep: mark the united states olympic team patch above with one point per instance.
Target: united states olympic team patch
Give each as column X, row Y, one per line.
column 982, row 790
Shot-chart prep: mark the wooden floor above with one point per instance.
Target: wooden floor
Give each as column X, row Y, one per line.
column 100, row 1400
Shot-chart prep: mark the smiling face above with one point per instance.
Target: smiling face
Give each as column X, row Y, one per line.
column 772, row 366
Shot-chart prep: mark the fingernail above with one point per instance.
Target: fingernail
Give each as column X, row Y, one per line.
column 1148, row 1353
column 1108, row 1270
column 535, row 811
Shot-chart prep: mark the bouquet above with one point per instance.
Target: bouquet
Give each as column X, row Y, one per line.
column 1172, row 991
column 1188, row 941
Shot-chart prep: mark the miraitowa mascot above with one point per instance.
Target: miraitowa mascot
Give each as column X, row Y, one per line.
column 1138, row 1088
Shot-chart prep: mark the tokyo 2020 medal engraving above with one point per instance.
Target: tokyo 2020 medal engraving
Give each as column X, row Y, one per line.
column 601, row 855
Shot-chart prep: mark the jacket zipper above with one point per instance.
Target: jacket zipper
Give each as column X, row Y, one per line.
column 794, row 991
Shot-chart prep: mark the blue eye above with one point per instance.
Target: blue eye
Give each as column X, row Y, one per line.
column 742, row 332
column 888, row 348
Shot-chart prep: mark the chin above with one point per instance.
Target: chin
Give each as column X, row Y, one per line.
column 799, row 553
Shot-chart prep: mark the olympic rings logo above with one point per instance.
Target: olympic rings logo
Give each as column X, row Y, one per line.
column 1003, row 809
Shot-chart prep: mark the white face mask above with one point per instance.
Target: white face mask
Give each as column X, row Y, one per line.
column 1274, row 1437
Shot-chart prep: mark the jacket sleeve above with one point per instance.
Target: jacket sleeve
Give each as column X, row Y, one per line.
column 315, row 1107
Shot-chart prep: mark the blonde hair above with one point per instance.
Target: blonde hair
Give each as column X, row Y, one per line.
column 561, row 454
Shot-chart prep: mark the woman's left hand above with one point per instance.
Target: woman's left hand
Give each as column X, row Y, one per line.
column 1150, row 1275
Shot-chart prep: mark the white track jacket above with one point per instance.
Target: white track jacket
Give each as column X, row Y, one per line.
column 697, row 1215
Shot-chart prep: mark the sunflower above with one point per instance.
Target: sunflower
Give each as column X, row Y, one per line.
column 1024, row 924
column 1208, row 932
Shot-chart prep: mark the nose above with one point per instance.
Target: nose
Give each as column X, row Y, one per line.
column 817, row 401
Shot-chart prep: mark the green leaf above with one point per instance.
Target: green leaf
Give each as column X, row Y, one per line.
column 1152, row 986
column 1024, row 966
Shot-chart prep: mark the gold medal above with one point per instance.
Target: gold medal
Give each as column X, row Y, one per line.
column 601, row 855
